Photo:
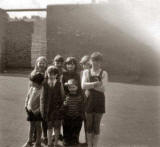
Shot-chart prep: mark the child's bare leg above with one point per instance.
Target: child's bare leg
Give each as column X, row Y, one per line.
column 57, row 133
column 31, row 131
column 49, row 135
column 38, row 133
column 89, row 123
column 44, row 129
column 57, row 125
column 97, row 120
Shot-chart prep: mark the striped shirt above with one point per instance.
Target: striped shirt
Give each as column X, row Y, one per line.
column 74, row 105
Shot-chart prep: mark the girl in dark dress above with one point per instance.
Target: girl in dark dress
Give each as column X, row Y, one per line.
column 71, row 73
column 51, row 102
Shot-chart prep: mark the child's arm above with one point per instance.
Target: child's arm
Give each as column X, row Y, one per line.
column 43, row 102
column 88, row 85
column 27, row 97
column 104, row 82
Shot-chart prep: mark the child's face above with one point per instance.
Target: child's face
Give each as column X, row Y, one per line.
column 58, row 64
column 72, row 88
column 95, row 64
column 86, row 65
column 70, row 66
column 52, row 76
column 42, row 65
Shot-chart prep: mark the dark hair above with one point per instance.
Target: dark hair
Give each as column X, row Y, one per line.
column 71, row 60
column 52, row 70
column 58, row 58
column 96, row 56
column 37, row 78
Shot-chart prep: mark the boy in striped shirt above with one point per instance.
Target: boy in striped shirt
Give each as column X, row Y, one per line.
column 72, row 122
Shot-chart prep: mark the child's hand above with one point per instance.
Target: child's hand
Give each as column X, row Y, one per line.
column 65, row 103
column 98, row 84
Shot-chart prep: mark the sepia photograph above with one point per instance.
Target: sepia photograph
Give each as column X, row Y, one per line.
column 80, row 73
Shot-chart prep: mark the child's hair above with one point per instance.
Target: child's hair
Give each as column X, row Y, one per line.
column 71, row 60
column 41, row 58
column 84, row 59
column 96, row 56
column 58, row 58
column 52, row 70
column 37, row 78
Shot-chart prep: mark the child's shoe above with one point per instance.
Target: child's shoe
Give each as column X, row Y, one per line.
column 60, row 137
column 66, row 143
column 27, row 144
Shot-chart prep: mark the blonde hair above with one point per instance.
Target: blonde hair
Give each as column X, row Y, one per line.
column 36, row 68
column 41, row 58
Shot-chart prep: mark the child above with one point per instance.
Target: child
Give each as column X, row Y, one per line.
column 72, row 121
column 51, row 101
column 71, row 73
column 40, row 67
column 32, row 106
column 84, row 62
column 59, row 63
column 94, row 80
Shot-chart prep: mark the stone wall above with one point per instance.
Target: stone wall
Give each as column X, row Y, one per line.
column 38, row 39
column 18, row 44
column 3, row 22
column 75, row 30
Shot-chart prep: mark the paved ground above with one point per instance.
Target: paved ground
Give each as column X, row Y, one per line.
column 132, row 118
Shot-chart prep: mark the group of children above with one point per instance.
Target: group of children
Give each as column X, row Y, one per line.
column 60, row 96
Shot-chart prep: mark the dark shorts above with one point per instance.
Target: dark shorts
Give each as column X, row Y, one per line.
column 32, row 117
column 95, row 102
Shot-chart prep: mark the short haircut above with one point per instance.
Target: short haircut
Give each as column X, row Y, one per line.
column 58, row 58
column 84, row 59
column 96, row 56
column 52, row 70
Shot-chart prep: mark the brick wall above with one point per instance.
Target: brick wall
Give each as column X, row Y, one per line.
column 3, row 22
column 18, row 44
column 80, row 29
column 38, row 40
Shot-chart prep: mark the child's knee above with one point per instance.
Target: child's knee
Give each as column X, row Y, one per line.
column 96, row 130
column 50, row 125
column 57, row 124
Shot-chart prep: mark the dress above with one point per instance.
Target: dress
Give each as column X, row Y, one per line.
column 96, row 99
column 51, row 101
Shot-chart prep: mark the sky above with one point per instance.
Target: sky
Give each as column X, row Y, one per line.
column 11, row 4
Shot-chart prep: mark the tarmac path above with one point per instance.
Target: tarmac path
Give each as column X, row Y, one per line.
column 132, row 116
